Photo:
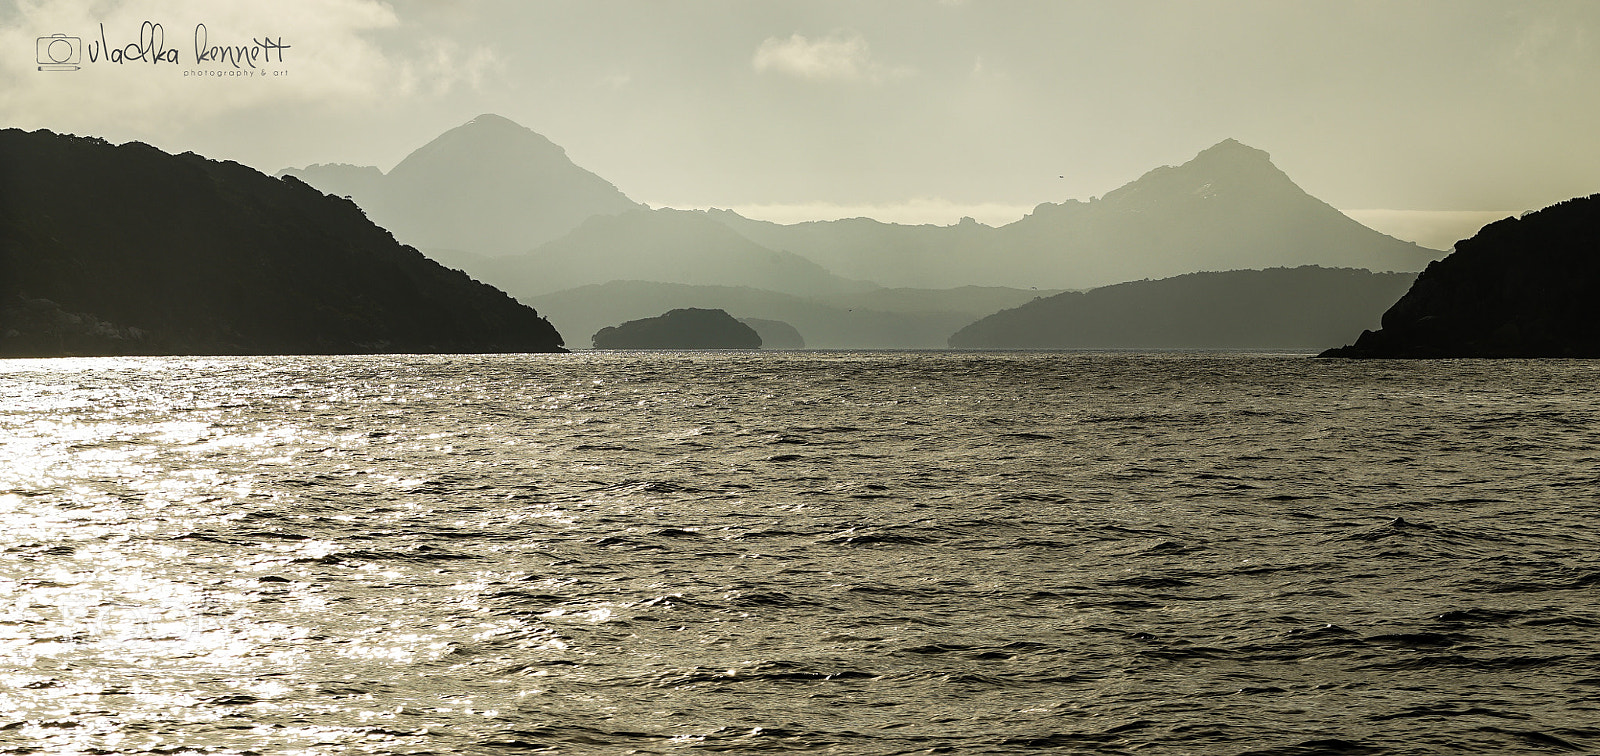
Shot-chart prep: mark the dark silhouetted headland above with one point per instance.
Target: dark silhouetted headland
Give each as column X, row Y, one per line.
column 1280, row 308
column 1520, row 287
column 688, row 328
column 126, row 249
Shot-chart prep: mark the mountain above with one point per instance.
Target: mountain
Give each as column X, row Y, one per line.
column 822, row 325
column 689, row 328
column 1520, row 287
column 1279, row 308
column 487, row 187
column 130, row 250
column 669, row 246
column 1228, row 208
column 506, row 205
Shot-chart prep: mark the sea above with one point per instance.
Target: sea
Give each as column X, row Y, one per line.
column 823, row 552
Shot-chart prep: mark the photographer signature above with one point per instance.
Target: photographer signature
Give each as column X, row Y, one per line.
column 236, row 53
column 151, row 48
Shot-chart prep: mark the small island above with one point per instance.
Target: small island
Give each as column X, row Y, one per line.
column 688, row 328
column 1520, row 287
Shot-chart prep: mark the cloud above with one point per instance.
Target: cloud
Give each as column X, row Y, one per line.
column 442, row 65
column 837, row 57
column 1551, row 50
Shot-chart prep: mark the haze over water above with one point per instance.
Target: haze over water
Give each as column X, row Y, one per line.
column 831, row 552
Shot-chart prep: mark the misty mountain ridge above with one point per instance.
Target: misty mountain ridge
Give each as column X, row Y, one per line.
column 665, row 245
column 1229, row 208
column 494, row 188
column 489, row 186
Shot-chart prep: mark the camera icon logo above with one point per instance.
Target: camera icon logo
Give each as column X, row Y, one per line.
column 59, row 52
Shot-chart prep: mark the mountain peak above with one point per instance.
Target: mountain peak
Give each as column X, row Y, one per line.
column 1233, row 149
column 489, row 186
column 491, row 119
column 489, row 137
column 1227, row 167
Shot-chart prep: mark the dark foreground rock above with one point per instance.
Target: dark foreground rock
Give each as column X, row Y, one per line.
column 689, row 328
column 1520, row 287
column 128, row 250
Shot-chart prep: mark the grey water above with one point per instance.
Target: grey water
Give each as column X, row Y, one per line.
column 854, row 553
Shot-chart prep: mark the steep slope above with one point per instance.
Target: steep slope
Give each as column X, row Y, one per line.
column 488, row 187
column 1280, row 308
column 1228, row 208
column 1520, row 287
column 670, row 246
column 129, row 250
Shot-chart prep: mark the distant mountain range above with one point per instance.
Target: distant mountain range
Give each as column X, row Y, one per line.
column 108, row 250
column 667, row 246
column 1279, row 308
column 1229, row 208
column 507, row 206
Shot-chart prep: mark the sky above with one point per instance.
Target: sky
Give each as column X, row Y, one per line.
column 1422, row 118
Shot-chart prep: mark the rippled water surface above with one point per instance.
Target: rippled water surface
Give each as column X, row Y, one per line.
column 832, row 552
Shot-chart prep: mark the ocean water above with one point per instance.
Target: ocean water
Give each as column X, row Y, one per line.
column 853, row 553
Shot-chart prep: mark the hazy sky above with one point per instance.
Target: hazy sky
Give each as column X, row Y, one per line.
column 936, row 107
